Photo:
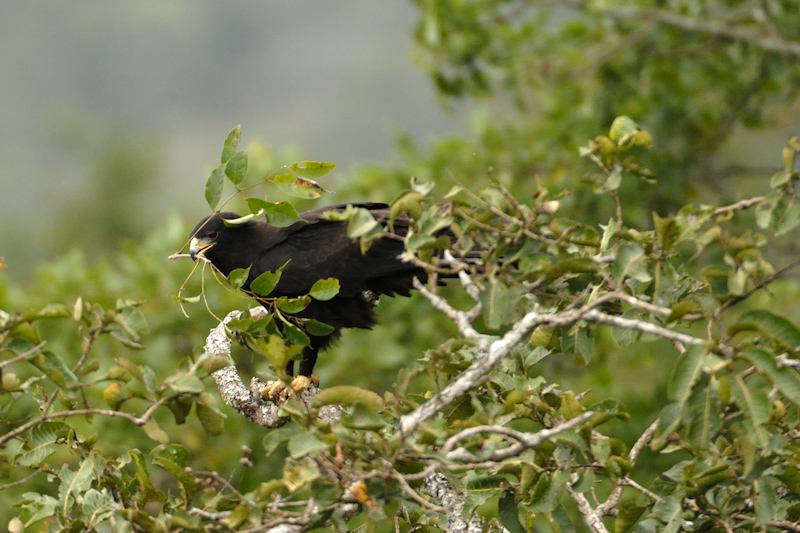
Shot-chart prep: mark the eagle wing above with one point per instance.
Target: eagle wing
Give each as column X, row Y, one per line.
column 319, row 248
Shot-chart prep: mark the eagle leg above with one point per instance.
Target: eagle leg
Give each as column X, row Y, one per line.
column 277, row 390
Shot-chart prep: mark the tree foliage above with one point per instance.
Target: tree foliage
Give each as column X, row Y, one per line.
column 596, row 364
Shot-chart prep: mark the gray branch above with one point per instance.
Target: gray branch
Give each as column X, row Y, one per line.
column 592, row 518
column 720, row 30
column 523, row 440
column 492, row 353
column 248, row 400
column 438, row 486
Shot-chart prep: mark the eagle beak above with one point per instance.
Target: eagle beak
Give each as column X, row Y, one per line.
column 197, row 247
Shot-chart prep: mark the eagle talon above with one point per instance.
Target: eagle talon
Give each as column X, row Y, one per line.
column 277, row 391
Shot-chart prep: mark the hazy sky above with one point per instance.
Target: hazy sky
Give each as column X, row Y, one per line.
column 334, row 79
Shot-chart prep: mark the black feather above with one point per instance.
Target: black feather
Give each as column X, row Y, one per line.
column 315, row 249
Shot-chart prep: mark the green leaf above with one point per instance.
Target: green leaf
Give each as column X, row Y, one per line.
column 499, row 304
column 55, row 368
column 295, row 335
column 578, row 340
column 667, row 231
column 629, row 513
column 40, row 443
column 789, row 219
column 766, row 209
column 547, row 490
column 266, row 282
column 240, row 221
column 146, row 491
column 305, row 443
column 236, row 168
column 184, row 382
column 98, row 506
column 274, row 349
column 685, row 374
column 113, row 396
column 231, row 144
column 317, row 328
column 755, row 406
column 363, row 416
column 277, row 437
column 173, row 458
column 492, row 482
column 347, row 395
column 73, row 484
column 768, row 509
column 292, row 305
column 778, row 326
column 703, row 417
column 185, row 300
column 312, row 169
column 280, row 215
column 238, row 277
column 40, row 506
column 298, row 186
column 631, row 262
column 668, row 421
column 680, row 309
column 410, row 203
column 508, row 513
column 780, row 178
column 418, row 241
column 668, row 509
column 214, row 186
column 622, row 127
column 180, row 407
column 154, row 431
column 135, row 370
column 784, row 378
column 361, row 223
column 324, row 289
column 212, row 419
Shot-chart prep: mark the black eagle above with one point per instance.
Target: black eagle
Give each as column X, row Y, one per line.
column 315, row 248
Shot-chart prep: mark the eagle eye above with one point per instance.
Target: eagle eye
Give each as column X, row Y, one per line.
column 213, row 235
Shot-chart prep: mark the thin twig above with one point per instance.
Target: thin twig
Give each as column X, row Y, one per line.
column 137, row 420
column 631, row 483
column 763, row 283
column 613, row 499
column 523, row 440
column 21, row 481
column 711, row 28
column 591, row 517
column 220, row 479
column 411, row 492
column 30, row 353
column 462, row 319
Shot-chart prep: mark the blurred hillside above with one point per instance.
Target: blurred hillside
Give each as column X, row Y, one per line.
column 128, row 100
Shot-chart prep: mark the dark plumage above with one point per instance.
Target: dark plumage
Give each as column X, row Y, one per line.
column 315, row 249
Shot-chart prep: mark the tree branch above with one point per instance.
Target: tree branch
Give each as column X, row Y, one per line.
column 467, row 379
column 231, row 387
column 248, row 401
column 592, row 517
column 498, row 349
column 613, row 499
column 523, row 440
column 720, row 30
column 138, row 420
column 30, row 353
column 438, row 486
